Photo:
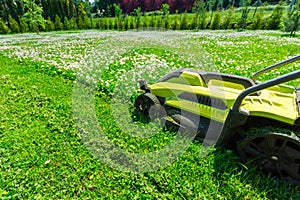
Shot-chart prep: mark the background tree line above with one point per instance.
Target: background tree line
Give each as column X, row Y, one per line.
column 49, row 15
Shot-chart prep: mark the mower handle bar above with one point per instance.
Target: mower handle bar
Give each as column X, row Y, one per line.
column 275, row 66
column 264, row 85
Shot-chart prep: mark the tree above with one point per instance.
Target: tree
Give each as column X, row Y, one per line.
column 83, row 20
column 118, row 10
column 73, row 23
column 258, row 20
column 242, row 23
column 215, row 24
column 175, row 25
column 275, row 19
column 256, row 4
column 67, row 25
column 3, row 28
column 165, row 8
column 23, row 26
column 145, row 21
column 292, row 20
column 13, row 25
column 228, row 18
column 126, row 23
column 33, row 15
column 137, row 12
column 57, row 24
column 49, row 25
column 131, row 23
column 184, row 22
column 159, row 22
column 106, row 5
column 200, row 16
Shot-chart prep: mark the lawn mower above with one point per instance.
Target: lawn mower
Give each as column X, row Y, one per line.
column 260, row 120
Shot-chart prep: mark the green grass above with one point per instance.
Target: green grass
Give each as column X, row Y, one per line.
column 42, row 156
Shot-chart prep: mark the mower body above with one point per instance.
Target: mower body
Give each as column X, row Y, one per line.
column 234, row 105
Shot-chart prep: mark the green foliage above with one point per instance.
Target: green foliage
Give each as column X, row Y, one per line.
column 184, row 22
column 199, row 20
column 116, row 22
column 194, row 22
column 242, row 23
column 165, row 8
column 110, row 23
column 175, row 25
column 118, row 10
column 228, row 19
column 23, row 26
column 126, row 23
column 216, row 21
column 3, row 28
column 145, row 22
column 159, row 21
column 137, row 12
column 58, row 25
column 132, row 24
column 33, row 16
column 292, row 20
column 67, row 25
column 80, row 23
column 152, row 21
column 50, row 25
column 257, row 21
column 83, row 20
column 87, row 22
column 99, row 23
column 275, row 18
column 73, row 23
column 104, row 24
column 13, row 25
column 167, row 22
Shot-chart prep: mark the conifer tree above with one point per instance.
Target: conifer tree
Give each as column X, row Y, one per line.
column 292, row 20
column 131, row 23
column 23, row 26
column 49, row 25
column 66, row 25
column 275, row 18
column 73, row 23
column 145, row 21
column 3, row 28
column 215, row 24
column 13, row 25
column 152, row 21
column 184, row 22
column 57, row 24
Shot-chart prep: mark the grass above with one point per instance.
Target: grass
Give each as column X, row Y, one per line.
column 42, row 155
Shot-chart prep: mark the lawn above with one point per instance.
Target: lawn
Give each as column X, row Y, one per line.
column 42, row 154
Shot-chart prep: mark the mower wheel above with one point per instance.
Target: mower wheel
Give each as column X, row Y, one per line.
column 148, row 104
column 277, row 153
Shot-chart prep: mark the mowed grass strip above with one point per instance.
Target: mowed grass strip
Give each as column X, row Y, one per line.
column 41, row 154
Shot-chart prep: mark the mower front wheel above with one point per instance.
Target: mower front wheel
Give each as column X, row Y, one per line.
column 148, row 105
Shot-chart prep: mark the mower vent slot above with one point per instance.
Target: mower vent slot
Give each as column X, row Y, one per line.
column 205, row 100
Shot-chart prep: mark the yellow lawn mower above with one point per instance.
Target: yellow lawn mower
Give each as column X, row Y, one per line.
column 260, row 119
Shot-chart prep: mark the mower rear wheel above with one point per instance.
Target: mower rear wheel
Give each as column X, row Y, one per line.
column 148, row 104
column 275, row 153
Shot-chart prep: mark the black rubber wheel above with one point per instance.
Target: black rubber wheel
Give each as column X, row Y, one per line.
column 277, row 153
column 148, row 105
